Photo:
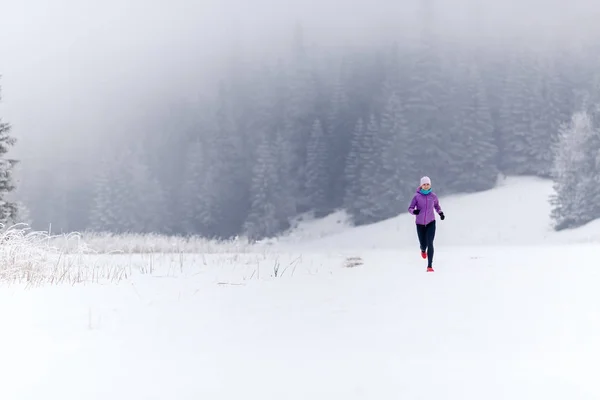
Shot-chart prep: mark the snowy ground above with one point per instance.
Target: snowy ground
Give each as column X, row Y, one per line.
column 516, row 213
column 495, row 321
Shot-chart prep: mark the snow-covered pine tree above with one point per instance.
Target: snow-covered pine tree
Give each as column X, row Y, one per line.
column 317, row 177
column 517, row 116
column 365, row 207
column 582, row 64
column 199, row 199
column 591, row 151
column 399, row 151
column 473, row 149
column 559, row 97
column 492, row 68
column 391, row 79
column 539, row 143
column 163, row 140
column 355, row 162
column 201, row 189
column 208, row 210
column 396, row 145
column 302, row 108
column 104, row 216
column 131, row 205
column 339, row 133
column 263, row 218
column 426, row 108
column 576, row 193
column 286, row 202
column 225, row 157
column 546, row 119
column 19, row 197
column 194, row 179
column 148, row 199
column 8, row 209
column 269, row 120
column 127, row 198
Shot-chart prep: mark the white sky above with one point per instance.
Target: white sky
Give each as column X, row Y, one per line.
column 77, row 68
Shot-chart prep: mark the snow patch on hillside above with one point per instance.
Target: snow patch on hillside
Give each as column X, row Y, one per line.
column 516, row 212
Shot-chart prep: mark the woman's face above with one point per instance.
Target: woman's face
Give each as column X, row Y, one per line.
column 426, row 186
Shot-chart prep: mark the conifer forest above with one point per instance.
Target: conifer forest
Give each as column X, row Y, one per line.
column 319, row 129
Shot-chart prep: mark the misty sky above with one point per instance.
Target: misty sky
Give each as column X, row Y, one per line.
column 75, row 69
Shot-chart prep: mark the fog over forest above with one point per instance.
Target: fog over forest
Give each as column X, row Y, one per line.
column 224, row 117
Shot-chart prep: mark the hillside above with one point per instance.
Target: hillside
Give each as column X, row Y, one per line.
column 516, row 212
column 504, row 316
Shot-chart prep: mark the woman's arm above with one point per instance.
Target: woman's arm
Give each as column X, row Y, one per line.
column 413, row 204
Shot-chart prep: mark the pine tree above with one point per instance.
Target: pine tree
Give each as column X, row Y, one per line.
column 391, row 80
column 202, row 187
column 103, row 215
column 354, row 164
column 432, row 111
column 399, row 151
column 574, row 202
column 226, row 179
column 163, row 144
column 8, row 209
column 426, row 102
column 542, row 135
column 269, row 120
column 517, row 116
column 127, row 198
column 195, row 176
column 263, row 219
column 473, row 148
column 286, row 202
column 365, row 207
column 148, row 200
column 302, row 108
column 548, row 115
column 209, row 212
column 317, row 178
column 492, row 68
column 340, row 128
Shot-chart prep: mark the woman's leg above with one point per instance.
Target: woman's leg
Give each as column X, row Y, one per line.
column 430, row 237
column 422, row 234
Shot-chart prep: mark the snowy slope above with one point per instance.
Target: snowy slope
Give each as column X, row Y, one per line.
column 516, row 212
column 508, row 314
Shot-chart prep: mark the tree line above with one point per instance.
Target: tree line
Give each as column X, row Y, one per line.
column 319, row 130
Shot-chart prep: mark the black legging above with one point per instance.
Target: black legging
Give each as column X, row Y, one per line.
column 426, row 235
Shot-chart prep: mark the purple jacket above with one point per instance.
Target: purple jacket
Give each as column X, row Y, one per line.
column 425, row 203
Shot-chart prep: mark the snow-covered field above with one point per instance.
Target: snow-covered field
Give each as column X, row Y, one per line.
column 516, row 213
column 512, row 312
